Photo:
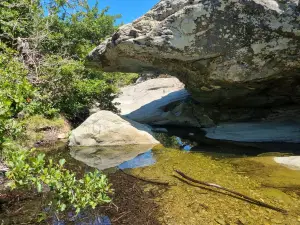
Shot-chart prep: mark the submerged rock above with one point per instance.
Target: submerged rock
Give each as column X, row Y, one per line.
column 106, row 129
column 240, row 56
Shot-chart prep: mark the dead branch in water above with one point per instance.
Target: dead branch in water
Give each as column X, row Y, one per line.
column 146, row 180
column 232, row 192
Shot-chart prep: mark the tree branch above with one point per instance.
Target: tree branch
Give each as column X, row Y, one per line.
column 148, row 181
column 233, row 192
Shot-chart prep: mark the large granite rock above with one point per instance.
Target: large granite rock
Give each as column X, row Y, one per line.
column 108, row 129
column 160, row 101
column 228, row 53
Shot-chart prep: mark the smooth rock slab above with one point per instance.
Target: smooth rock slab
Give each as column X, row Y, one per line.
column 277, row 131
column 136, row 96
column 159, row 101
column 292, row 162
column 105, row 128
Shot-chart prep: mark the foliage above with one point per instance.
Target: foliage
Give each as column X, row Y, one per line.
column 73, row 88
column 15, row 88
column 167, row 141
column 53, row 48
column 30, row 169
column 120, row 79
column 75, row 28
column 42, row 51
column 17, row 94
column 16, row 19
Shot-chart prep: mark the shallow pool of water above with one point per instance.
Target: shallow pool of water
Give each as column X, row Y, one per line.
column 185, row 203
column 257, row 177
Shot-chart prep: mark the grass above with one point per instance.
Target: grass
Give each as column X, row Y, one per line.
column 41, row 129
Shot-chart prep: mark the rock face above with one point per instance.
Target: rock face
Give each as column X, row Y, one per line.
column 108, row 129
column 229, row 54
column 160, row 101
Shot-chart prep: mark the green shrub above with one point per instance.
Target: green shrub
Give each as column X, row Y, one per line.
column 17, row 19
column 166, row 140
column 48, row 41
column 29, row 169
column 72, row 88
column 17, row 94
column 15, row 89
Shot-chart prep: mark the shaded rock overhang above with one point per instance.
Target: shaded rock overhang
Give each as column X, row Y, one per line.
column 233, row 53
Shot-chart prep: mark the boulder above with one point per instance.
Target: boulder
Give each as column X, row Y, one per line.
column 105, row 128
column 160, row 101
column 241, row 55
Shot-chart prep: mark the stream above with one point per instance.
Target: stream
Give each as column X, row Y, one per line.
column 256, row 175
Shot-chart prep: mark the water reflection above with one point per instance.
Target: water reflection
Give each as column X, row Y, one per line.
column 184, row 145
column 194, row 139
column 142, row 160
column 99, row 220
column 104, row 157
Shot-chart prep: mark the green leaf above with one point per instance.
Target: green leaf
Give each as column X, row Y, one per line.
column 39, row 187
column 62, row 162
column 62, row 207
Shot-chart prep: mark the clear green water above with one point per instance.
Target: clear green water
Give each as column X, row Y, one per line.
column 257, row 177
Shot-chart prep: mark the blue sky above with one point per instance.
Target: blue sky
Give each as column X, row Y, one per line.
column 129, row 9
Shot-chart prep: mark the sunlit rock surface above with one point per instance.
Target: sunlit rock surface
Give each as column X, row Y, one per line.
column 106, row 129
column 134, row 97
column 292, row 162
column 228, row 53
column 160, row 101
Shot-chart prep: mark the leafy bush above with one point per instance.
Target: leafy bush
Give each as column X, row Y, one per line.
column 72, row 88
column 30, row 169
column 53, row 39
column 166, row 140
column 120, row 79
column 15, row 88
column 16, row 19
column 75, row 27
column 42, row 72
column 17, row 94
